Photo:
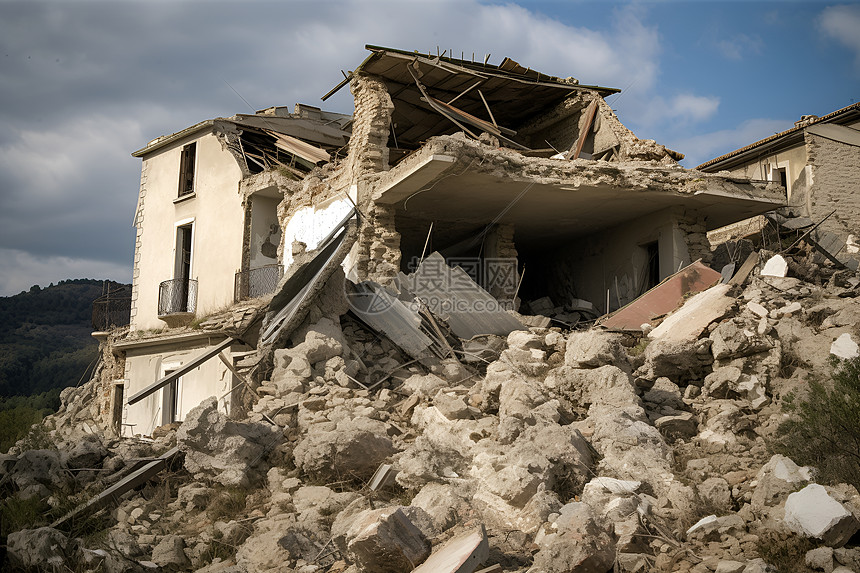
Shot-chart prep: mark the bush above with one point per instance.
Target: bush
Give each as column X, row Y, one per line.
column 824, row 430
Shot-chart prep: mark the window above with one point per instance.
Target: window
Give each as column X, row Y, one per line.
column 184, row 297
column 116, row 407
column 781, row 177
column 653, row 268
column 171, row 401
column 186, row 169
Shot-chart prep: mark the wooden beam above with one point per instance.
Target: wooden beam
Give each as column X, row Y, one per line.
column 113, row 493
column 574, row 151
column 489, row 111
column 464, row 92
column 186, row 368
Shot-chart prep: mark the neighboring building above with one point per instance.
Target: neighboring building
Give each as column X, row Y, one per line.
column 817, row 164
column 502, row 162
column 207, row 236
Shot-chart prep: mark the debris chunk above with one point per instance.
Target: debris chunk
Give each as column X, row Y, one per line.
column 461, row 554
column 812, row 512
column 844, row 347
column 776, row 266
column 386, row 541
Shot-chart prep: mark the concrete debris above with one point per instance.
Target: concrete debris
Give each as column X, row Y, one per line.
column 461, row 554
column 695, row 315
column 812, row 512
column 220, row 449
column 351, row 447
column 776, row 266
column 412, row 417
column 385, row 540
column 844, row 347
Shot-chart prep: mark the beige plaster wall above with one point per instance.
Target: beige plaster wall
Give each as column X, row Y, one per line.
column 215, row 207
column 616, row 259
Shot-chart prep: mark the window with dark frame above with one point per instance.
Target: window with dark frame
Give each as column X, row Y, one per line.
column 186, row 169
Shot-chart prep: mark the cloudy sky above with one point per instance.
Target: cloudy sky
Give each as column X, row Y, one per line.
column 83, row 84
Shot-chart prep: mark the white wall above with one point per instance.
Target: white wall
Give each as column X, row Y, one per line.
column 616, row 260
column 216, row 210
column 311, row 225
column 146, row 365
column 264, row 218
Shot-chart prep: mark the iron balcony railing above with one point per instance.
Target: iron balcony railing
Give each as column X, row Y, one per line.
column 177, row 296
column 112, row 309
column 257, row 282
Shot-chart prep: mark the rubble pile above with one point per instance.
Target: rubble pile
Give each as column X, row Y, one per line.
column 547, row 450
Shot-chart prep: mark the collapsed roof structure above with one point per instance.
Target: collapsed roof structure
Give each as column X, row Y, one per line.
column 537, row 199
column 505, row 161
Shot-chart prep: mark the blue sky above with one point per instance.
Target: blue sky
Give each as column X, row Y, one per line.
column 83, row 84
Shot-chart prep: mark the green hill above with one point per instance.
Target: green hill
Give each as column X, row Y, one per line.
column 45, row 337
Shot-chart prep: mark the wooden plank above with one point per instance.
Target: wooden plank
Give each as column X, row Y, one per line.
column 113, row 493
column 745, row 270
column 186, row 368
column 464, row 92
column 489, row 111
column 589, row 119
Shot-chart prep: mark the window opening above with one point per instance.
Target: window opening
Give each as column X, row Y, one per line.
column 186, row 169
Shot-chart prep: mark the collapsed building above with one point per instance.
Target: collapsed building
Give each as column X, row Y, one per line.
column 513, row 170
column 415, row 369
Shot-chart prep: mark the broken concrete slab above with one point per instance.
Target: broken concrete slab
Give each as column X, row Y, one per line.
column 386, row 541
column 812, row 512
column 663, row 298
column 453, row 296
column 693, row 318
column 461, row 554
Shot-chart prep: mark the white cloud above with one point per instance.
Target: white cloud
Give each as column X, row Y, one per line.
column 706, row 146
column 740, row 45
column 691, row 107
column 842, row 23
column 21, row 270
column 681, row 110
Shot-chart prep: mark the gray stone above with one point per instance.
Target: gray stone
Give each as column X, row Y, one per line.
column 776, row 479
column 220, row 449
column 575, row 543
column 44, row 548
column 820, row 558
column 354, row 448
column 169, row 554
column 716, row 492
column 730, row 567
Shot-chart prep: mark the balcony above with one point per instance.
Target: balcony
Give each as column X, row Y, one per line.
column 177, row 301
column 257, row 282
column 112, row 310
